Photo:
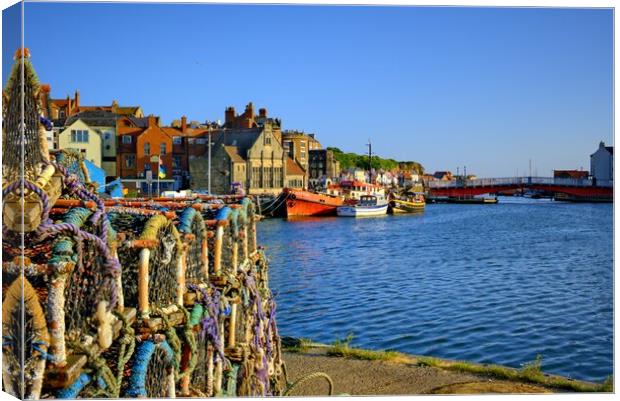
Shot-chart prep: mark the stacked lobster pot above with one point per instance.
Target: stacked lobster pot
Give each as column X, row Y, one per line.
column 126, row 297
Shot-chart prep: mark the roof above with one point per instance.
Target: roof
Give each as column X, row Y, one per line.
column 293, row 168
column 94, row 118
column 232, row 153
column 242, row 139
column 127, row 110
column 440, row 174
column 59, row 102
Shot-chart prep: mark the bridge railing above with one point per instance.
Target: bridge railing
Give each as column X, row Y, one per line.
column 489, row 182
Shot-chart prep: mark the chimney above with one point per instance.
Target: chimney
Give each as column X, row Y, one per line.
column 68, row 106
column 229, row 116
column 114, row 106
column 249, row 110
column 262, row 112
column 183, row 124
column 152, row 120
column 77, row 99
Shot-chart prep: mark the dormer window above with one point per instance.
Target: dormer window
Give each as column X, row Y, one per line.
column 127, row 139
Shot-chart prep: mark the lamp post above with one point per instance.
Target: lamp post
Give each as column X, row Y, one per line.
column 209, row 163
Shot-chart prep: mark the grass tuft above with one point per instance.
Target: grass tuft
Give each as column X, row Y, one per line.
column 342, row 348
column 530, row 373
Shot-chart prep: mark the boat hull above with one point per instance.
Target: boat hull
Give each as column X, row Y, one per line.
column 362, row 211
column 304, row 203
column 407, row 207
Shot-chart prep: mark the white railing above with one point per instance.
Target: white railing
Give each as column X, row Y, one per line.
column 522, row 181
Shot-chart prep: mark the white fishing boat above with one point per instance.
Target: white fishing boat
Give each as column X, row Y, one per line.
column 369, row 205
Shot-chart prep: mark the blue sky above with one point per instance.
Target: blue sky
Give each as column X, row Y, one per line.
column 486, row 88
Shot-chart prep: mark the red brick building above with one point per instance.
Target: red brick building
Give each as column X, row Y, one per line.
column 139, row 142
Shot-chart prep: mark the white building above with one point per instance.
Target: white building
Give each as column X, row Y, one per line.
column 602, row 163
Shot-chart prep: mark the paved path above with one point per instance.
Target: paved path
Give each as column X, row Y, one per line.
column 361, row 377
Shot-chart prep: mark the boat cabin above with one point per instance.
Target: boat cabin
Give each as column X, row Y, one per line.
column 355, row 189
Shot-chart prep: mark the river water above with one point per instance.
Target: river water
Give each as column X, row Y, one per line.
column 485, row 283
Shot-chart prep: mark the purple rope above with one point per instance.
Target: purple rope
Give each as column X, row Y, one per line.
column 76, row 187
column 209, row 324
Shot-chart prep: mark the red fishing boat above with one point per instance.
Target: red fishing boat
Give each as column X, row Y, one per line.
column 305, row 203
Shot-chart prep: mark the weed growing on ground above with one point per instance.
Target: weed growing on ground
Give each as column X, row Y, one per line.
column 530, row 373
column 342, row 348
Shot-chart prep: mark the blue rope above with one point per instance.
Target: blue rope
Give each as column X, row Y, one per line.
column 75, row 388
column 142, row 356
column 185, row 220
column 223, row 213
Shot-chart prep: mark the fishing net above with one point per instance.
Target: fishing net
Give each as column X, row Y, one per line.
column 12, row 139
column 86, row 285
column 130, row 225
column 73, row 161
column 164, row 262
column 191, row 222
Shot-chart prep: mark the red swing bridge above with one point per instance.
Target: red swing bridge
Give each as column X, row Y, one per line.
column 585, row 190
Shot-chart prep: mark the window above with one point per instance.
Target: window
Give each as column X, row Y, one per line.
column 106, row 136
column 162, row 149
column 256, row 177
column 201, row 141
column 79, row 136
column 61, row 114
column 191, row 141
column 177, row 140
column 176, row 161
column 130, row 161
column 147, row 166
column 147, row 148
column 302, row 144
column 267, row 140
column 127, row 139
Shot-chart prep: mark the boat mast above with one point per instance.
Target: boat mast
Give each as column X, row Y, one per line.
column 369, row 161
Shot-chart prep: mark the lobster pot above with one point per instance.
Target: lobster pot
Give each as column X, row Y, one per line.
column 88, row 282
column 191, row 222
column 229, row 245
column 251, row 221
column 37, row 252
column 21, row 301
column 73, row 161
column 157, row 234
column 151, row 371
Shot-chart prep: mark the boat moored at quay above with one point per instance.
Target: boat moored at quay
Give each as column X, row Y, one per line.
column 368, row 206
column 305, row 203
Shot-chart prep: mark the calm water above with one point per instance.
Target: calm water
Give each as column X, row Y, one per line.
column 487, row 283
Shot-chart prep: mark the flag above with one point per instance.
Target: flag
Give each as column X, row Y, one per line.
column 162, row 170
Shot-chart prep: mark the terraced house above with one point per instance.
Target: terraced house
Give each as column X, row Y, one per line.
column 141, row 142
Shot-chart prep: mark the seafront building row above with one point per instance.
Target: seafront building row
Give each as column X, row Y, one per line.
column 248, row 150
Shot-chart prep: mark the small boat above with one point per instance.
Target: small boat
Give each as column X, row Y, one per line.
column 369, row 205
column 413, row 204
column 305, row 203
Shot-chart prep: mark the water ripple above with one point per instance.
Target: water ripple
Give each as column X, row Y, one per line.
column 492, row 284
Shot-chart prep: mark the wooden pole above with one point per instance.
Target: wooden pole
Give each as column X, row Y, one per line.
column 245, row 243
column 143, row 283
column 254, row 244
column 217, row 260
column 182, row 263
column 205, row 258
column 232, row 327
